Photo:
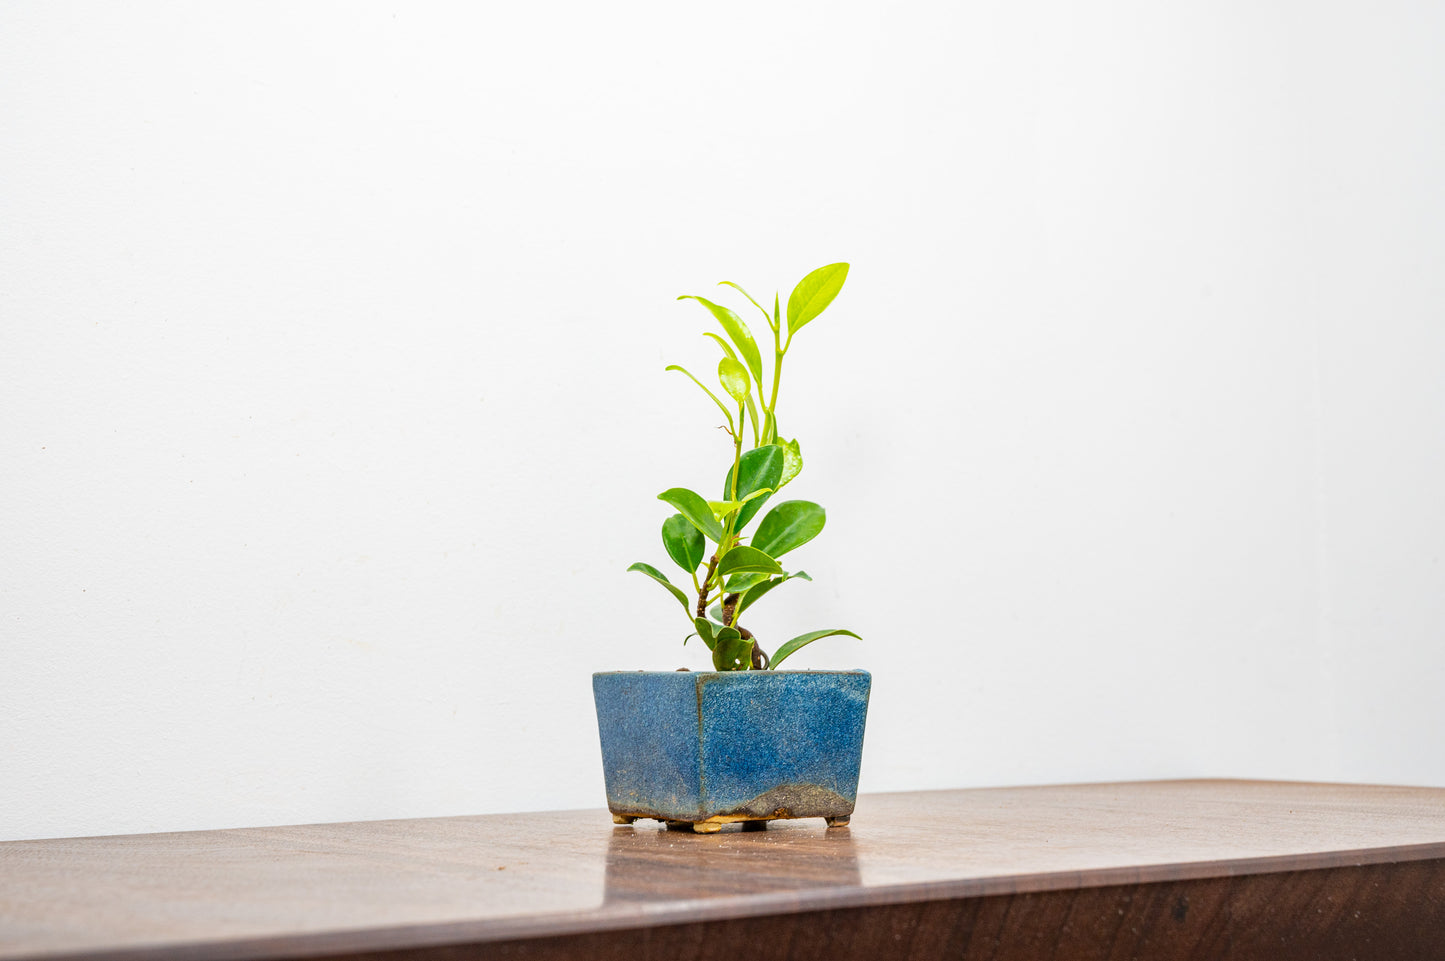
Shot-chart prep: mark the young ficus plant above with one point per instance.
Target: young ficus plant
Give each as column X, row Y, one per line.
column 731, row 577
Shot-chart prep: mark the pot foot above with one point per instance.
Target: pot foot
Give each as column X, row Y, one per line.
column 706, row 827
column 623, row 819
column 839, row 822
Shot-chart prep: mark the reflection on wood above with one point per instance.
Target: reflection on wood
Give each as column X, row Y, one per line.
column 642, row 861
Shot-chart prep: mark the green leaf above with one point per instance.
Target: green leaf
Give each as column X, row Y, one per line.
column 706, row 630
column 802, row 640
column 716, row 613
column 658, row 576
column 792, row 462
column 732, row 653
column 752, row 408
column 742, row 560
column 788, row 525
column 739, row 583
column 721, row 406
column 684, row 542
column 761, row 467
column 695, row 509
column 729, row 283
column 757, row 592
column 737, row 332
column 734, row 379
column 813, row 294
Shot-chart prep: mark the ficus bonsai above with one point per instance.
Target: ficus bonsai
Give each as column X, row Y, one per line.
column 733, row 576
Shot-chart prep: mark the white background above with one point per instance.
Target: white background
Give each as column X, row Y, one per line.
column 332, row 403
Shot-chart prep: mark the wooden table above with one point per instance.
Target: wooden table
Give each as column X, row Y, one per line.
column 1159, row 871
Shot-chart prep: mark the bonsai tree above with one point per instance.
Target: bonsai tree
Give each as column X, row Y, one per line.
column 706, row 538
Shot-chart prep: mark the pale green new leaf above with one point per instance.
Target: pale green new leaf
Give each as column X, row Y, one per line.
column 789, row 525
column 802, row 640
column 729, row 283
column 737, row 332
column 721, row 406
column 684, row 542
column 813, row 294
column 695, row 509
column 792, row 462
column 734, row 379
column 743, row 560
column 721, row 509
column 752, row 407
column 658, row 576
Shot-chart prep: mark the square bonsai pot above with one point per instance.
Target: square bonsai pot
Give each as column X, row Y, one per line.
column 705, row 748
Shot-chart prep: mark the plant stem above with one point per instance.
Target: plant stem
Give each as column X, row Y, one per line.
column 737, row 462
column 730, row 610
column 702, row 591
column 770, row 430
column 777, row 377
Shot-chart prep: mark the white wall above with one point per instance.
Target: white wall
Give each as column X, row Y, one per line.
column 332, row 404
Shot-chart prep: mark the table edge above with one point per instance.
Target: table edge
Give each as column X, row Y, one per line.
column 442, row 934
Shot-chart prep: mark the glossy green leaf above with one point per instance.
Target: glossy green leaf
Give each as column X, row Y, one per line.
column 716, row 613
column 695, row 509
column 761, row 467
column 729, row 283
column 734, row 379
column 658, row 576
column 706, row 630
column 813, row 294
column 792, row 462
column 788, row 525
column 737, row 332
column 802, row 640
column 752, row 407
column 739, row 583
column 732, row 653
column 684, row 542
column 743, row 560
column 721, row 406
column 760, row 590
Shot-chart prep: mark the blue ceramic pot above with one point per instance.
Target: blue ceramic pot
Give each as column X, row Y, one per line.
column 708, row 748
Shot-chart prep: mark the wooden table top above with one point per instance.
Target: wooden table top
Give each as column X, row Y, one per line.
column 259, row 892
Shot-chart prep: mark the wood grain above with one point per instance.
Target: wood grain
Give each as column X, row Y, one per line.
column 1375, row 912
column 1092, row 869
